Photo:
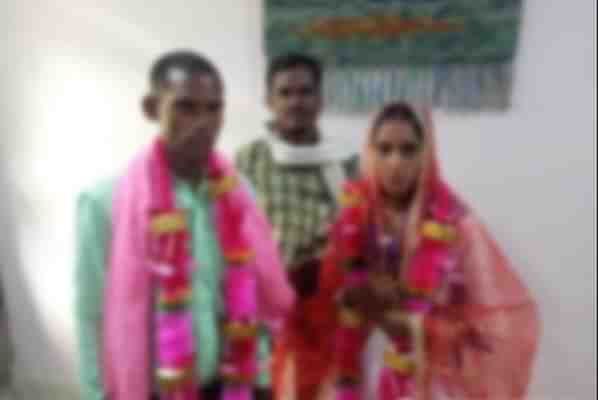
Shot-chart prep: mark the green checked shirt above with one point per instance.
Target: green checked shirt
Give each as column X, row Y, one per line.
column 298, row 200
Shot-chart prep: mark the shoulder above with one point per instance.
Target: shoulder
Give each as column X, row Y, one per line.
column 247, row 186
column 351, row 166
column 253, row 159
column 251, row 149
column 97, row 198
column 354, row 193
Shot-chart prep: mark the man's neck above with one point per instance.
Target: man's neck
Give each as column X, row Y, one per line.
column 298, row 138
column 193, row 176
column 194, row 180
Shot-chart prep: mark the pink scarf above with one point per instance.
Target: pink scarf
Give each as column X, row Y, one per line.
column 473, row 327
column 128, row 314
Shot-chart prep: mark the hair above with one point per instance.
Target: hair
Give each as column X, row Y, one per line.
column 291, row 61
column 185, row 60
column 398, row 111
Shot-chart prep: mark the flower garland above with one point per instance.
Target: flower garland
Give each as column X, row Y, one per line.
column 424, row 277
column 171, row 265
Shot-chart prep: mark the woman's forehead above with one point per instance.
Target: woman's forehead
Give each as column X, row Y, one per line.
column 396, row 130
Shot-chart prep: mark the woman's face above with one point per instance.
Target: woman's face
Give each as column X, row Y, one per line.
column 397, row 157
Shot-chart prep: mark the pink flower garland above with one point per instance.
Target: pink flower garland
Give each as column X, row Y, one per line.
column 172, row 267
column 426, row 274
column 240, row 300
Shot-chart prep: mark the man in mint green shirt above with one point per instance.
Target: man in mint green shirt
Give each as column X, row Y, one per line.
column 186, row 99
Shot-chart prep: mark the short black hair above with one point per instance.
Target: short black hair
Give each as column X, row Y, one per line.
column 187, row 61
column 294, row 60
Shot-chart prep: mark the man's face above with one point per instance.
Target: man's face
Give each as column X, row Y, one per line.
column 295, row 100
column 190, row 113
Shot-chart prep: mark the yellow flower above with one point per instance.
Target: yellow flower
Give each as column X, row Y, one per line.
column 348, row 199
column 441, row 232
column 171, row 379
column 168, row 222
column 223, row 185
column 240, row 330
column 401, row 364
column 350, row 318
column 239, row 257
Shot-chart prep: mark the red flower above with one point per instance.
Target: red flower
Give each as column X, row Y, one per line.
column 349, row 345
column 428, row 266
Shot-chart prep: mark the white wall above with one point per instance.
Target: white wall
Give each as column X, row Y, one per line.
column 76, row 73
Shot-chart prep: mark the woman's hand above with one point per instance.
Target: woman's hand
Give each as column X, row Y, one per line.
column 374, row 298
column 303, row 277
column 453, row 337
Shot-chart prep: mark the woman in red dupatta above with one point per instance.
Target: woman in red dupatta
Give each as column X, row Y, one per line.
column 408, row 258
